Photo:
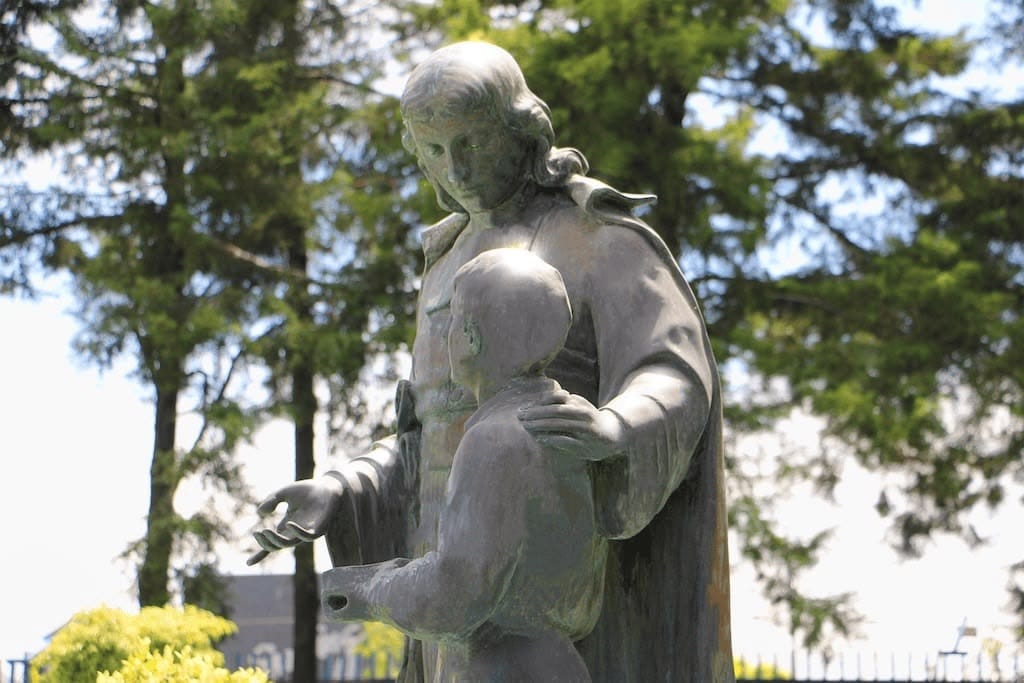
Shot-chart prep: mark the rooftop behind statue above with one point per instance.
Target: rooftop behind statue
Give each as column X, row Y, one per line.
column 642, row 401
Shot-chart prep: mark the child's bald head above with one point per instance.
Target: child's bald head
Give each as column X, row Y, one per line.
column 514, row 308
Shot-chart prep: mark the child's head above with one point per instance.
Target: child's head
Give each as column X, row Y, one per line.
column 510, row 317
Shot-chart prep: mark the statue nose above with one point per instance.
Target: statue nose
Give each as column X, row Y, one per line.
column 456, row 171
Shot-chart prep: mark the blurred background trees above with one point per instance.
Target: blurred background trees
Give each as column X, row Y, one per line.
column 237, row 215
column 851, row 213
column 209, row 220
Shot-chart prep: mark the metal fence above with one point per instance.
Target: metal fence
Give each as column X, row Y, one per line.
column 803, row 667
column 330, row 669
column 15, row 670
column 854, row 667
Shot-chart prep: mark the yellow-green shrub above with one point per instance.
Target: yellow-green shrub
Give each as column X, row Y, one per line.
column 179, row 666
column 383, row 645
column 102, row 639
column 744, row 669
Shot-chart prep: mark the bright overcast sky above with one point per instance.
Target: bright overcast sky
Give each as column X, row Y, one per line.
column 74, row 457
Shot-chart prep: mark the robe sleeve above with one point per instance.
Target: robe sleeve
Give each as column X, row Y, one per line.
column 655, row 373
column 379, row 505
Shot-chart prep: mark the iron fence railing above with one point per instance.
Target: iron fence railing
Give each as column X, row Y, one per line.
column 801, row 667
column 16, row 670
column 330, row 669
column 849, row 667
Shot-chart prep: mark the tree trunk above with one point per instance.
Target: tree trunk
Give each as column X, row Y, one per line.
column 163, row 260
column 306, row 595
column 156, row 557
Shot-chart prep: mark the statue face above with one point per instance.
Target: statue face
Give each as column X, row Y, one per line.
column 473, row 157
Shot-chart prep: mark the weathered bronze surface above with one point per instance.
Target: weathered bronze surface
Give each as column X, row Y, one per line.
column 640, row 413
column 518, row 571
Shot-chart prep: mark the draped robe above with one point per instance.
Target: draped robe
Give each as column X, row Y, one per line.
column 638, row 347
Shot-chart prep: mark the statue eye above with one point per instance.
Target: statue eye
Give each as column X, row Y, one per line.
column 434, row 150
column 469, row 143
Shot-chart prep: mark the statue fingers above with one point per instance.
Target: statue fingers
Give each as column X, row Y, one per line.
column 560, row 442
column 543, row 414
column 271, row 540
column 268, row 504
column 576, row 407
column 583, row 448
column 295, row 494
column 265, row 542
column 301, row 533
column 257, row 557
column 565, row 426
column 557, row 397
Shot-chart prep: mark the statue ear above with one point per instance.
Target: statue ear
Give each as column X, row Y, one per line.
column 476, row 342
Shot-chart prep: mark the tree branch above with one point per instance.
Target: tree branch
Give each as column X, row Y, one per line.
column 12, row 236
column 240, row 254
column 219, row 398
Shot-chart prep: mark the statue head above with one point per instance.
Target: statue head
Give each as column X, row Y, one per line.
column 474, row 80
column 510, row 317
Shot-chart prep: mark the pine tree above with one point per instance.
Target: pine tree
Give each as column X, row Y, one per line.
column 852, row 228
column 243, row 210
column 851, row 224
column 113, row 98
column 320, row 221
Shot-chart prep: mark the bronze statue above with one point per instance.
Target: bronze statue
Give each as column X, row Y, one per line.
column 641, row 405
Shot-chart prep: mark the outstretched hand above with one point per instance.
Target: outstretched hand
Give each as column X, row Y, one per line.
column 311, row 504
column 573, row 425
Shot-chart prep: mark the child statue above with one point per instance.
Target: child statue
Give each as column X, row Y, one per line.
column 518, row 572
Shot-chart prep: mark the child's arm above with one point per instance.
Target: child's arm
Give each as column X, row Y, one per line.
column 449, row 592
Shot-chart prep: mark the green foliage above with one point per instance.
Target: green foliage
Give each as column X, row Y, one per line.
column 779, row 562
column 852, row 225
column 384, row 646
column 759, row 671
column 853, row 228
column 207, row 202
column 179, row 666
column 1016, row 587
column 113, row 99
column 169, row 642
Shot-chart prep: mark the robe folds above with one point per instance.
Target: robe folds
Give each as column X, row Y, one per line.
column 639, row 348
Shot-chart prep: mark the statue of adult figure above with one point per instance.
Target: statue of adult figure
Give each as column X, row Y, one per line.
column 642, row 406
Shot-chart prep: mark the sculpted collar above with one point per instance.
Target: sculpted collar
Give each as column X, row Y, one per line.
column 593, row 196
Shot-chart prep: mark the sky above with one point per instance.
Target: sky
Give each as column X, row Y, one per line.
column 74, row 455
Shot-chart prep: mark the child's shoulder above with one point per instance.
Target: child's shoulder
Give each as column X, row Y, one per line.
column 491, row 453
column 497, row 426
